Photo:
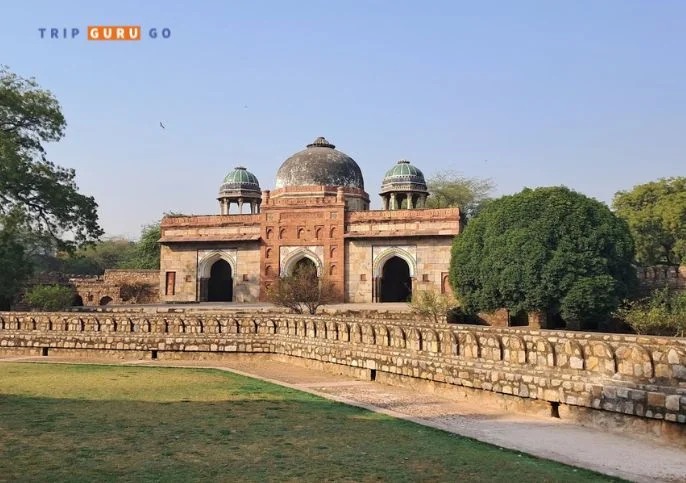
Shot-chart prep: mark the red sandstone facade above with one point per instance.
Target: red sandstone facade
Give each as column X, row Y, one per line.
column 236, row 256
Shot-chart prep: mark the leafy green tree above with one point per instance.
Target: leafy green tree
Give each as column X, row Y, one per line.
column 15, row 264
column 45, row 193
column 449, row 189
column 656, row 214
column 146, row 253
column 94, row 259
column 50, row 297
column 548, row 249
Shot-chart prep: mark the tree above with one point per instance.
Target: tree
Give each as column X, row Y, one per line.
column 95, row 258
column 656, row 214
column 146, row 254
column 50, row 297
column 548, row 249
column 449, row 189
column 45, row 193
column 15, row 265
column 301, row 291
column 432, row 305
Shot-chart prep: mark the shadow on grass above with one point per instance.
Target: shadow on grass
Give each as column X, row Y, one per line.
column 154, row 424
column 254, row 439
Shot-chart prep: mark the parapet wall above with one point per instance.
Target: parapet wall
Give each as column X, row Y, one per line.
column 640, row 376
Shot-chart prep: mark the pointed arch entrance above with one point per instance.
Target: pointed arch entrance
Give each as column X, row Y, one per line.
column 220, row 283
column 395, row 283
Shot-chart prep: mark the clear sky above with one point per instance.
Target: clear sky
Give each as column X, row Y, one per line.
column 589, row 94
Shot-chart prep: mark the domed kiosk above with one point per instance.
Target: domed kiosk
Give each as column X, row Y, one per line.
column 403, row 186
column 320, row 170
column 240, row 186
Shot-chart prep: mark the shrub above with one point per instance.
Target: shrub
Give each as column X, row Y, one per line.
column 661, row 313
column 301, row 291
column 50, row 297
column 136, row 292
column 432, row 305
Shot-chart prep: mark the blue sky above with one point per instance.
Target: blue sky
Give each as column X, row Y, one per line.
column 589, row 94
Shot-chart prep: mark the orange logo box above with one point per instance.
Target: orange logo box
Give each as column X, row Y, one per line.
column 114, row 32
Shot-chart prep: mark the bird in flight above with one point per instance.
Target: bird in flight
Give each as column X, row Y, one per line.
column 162, row 125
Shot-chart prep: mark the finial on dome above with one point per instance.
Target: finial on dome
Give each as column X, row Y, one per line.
column 321, row 142
column 242, row 168
column 403, row 161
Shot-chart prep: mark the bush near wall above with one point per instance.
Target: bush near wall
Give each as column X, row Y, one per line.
column 661, row 313
column 49, row 297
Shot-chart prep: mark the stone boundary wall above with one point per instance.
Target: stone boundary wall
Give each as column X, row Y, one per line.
column 640, row 376
column 662, row 276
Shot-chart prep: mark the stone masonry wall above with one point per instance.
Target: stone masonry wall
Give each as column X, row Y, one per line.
column 432, row 260
column 106, row 288
column 639, row 376
column 183, row 260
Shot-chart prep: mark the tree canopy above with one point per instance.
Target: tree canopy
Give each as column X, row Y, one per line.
column 449, row 189
column 43, row 192
column 15, row 264
column 656, row 214
column 548, row 249
column 40, row 205
column 95, row 258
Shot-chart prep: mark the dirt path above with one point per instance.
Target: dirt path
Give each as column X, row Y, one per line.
column 566, row 442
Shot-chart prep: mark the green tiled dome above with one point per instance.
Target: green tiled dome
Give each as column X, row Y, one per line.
column 404, row 169
column 403, row 177
column 241, row 178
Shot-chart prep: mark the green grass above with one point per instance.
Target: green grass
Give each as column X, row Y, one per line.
column 105, row 423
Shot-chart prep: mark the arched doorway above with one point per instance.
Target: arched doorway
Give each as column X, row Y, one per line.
column 220, row 285
column 305, row 267
column 77, row 301
column 105, row 300
column 396, row 283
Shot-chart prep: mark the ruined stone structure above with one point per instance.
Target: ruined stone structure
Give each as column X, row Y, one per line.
column 613, row 380
column 662, row 276
column 318, row 214
column 107, row 288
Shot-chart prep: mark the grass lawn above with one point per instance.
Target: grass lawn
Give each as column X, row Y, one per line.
column 105, row 423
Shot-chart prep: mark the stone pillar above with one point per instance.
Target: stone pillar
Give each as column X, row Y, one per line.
column 393, row 202
column 409, row 201
column 240, row 206
column 384, row 202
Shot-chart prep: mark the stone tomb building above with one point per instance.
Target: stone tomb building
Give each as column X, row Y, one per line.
column 317, row 214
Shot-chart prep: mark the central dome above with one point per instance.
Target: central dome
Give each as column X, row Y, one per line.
column 320, row 165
